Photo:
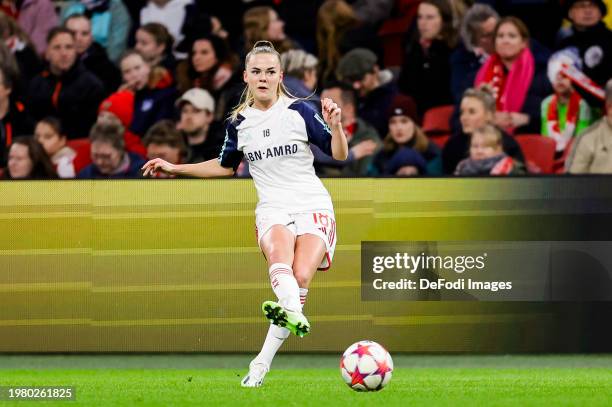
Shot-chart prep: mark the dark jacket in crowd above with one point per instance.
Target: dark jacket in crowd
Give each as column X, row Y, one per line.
column 374, row 106
column 426, row 75
column 97, row 62
column 464, row 67
column 210, row 148
column 29, row 65
column 458, row 147
column 153, row 103
column 133, row 170
column 595, row 47
column 15, row 123
column 73, row 97
column 432, row 156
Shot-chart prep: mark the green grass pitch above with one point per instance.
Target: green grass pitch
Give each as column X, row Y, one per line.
column 314, row 380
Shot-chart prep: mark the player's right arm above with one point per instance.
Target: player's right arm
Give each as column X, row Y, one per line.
column 206, row 169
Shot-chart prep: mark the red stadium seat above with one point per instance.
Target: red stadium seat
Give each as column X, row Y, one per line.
column 440, row 140
column 538, row 150
column 437, row 120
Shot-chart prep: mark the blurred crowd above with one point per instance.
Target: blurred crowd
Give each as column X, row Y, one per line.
column 94, row 88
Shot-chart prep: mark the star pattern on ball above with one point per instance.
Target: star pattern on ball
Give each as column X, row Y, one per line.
column 362, row 350
column 357, row 377
column 383, row 369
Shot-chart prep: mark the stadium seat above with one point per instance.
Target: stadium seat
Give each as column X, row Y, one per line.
column 436, row 121
column 538, row 150
column 440, row 140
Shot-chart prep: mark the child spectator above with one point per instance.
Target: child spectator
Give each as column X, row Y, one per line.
column 565, row 114
column 203, row 135
column 405, row 133
column 164, row 141
column 93, row 55
column 405, row 162
column 154, row 92
column 27, row 160
column 487, row 156
column 66, row 89
column 48, row 133
column 108, row 154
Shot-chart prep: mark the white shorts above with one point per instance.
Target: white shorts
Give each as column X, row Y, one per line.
column 320, row 223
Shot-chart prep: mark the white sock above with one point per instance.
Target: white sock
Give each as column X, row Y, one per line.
column 274, row 339
column 303, row 293
column 285, row 286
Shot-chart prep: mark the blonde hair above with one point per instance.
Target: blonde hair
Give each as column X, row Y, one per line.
column 247, row 98
column 255, row 22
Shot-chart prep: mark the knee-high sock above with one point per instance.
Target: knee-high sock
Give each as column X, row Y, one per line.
column 276, row 336
column 285, row 286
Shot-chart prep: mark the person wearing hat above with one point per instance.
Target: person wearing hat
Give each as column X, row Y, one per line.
column 375, row 87
column 201, row 133
column 404, row 133
column 565, row 114
column 592, row 38
column 363, row 140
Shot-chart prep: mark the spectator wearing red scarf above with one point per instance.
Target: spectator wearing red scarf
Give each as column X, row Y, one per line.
column 565, row 114
column 517, row 78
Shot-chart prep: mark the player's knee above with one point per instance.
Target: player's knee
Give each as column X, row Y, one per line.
column 302, row 276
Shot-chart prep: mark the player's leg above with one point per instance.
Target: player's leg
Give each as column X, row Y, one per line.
column 277, row 244
column 309, row 252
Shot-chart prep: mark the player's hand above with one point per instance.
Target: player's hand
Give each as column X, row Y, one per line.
column 157, row 164
column 331, row 112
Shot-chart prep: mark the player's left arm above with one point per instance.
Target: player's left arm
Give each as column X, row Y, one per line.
column 332, row 116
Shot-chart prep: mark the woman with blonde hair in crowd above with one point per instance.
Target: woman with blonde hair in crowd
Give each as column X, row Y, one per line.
column 477, row 109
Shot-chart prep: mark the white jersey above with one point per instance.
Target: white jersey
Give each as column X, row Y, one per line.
column 275, row 143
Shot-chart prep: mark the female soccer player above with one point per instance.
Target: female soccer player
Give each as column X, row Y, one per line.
column 295, row 221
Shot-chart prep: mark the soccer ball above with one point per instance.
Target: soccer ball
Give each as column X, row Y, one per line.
column 366, row 366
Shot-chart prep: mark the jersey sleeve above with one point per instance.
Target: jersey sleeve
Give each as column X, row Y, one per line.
column 230, row 156
column 318, row 131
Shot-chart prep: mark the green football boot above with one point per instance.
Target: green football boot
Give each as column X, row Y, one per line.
column 294, row 321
